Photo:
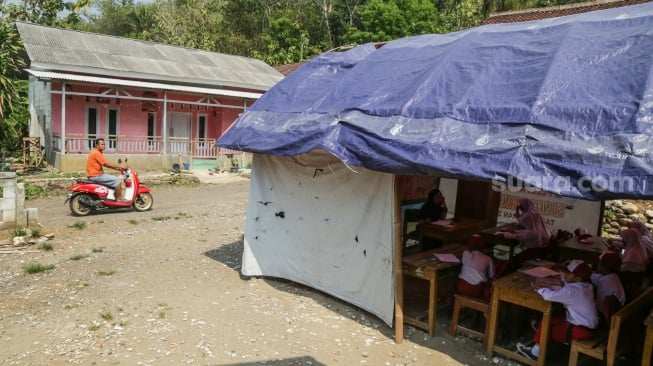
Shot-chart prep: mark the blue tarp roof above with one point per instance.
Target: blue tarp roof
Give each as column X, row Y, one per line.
column 565, row 104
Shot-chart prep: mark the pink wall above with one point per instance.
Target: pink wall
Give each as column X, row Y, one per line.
column 132, row 120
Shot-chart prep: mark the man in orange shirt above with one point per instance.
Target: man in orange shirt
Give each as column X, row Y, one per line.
column 95, row 172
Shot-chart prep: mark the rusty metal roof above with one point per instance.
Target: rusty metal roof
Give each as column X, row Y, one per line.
column 557, row 11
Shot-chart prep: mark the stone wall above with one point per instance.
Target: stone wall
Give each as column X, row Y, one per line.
column 618, row 213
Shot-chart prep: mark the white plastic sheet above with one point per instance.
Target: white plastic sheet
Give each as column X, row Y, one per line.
column 315, row 221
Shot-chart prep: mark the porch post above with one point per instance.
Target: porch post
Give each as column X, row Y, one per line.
column 164, row 123
column 63, row 118
column 397, row 264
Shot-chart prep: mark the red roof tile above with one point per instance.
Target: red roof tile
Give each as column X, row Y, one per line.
column 557, row 11
column 288, row 68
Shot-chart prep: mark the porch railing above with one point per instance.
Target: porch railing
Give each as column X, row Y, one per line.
column 197, row 148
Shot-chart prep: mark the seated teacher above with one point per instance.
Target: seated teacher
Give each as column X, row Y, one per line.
column 434, row 208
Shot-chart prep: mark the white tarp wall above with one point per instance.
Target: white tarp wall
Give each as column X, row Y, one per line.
column 313, row 220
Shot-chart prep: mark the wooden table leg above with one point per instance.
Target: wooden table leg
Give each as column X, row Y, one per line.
column 433, row 293
column 544, row 337
column 494, row 317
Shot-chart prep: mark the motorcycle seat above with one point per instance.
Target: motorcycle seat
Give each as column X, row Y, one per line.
column 88, row 181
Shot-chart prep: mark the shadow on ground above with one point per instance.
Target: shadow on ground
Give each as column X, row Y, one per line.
column 465, row 349
column 305, row 360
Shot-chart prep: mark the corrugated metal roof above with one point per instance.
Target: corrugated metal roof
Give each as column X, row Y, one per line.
column 141, row 84
column 53, row 49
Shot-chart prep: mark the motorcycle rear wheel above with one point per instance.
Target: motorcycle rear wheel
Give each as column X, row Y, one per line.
column 77, row 208
column 143, row 202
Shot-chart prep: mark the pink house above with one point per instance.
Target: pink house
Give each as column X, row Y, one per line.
column 151, row 102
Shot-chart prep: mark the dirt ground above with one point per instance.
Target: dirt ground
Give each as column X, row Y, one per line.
column 163, row 287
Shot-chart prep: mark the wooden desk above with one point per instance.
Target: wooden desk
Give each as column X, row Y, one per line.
column 458, row 230
column 516, row 289
column 572, row 249
column 491, row 239
column 648, row 342
column 425, row 266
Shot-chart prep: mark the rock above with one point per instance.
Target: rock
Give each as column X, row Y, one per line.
column 49, row 235
column 630, row 208
column 19, row 241
column 623, row 221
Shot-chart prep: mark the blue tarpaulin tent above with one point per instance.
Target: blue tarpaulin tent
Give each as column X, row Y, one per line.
column 568, row 97
column 564, row 104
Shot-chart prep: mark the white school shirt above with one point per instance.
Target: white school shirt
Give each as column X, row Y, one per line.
column 477, row 267
column 606, row 285
column 578, row 299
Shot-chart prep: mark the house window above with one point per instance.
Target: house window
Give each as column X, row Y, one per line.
column 201, row 130
column 91, row 127
column 150, row 131
column 112, row 128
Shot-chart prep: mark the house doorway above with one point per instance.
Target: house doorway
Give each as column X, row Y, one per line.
column 179, row 133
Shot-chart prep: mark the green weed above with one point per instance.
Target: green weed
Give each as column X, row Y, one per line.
column 105, row 273
column 77, row 225
column 78, row 257
column 46, row 246
column 32, row 268
column 20, row 231
column 161, row 218
column 33, row 191
column 106, row 315
column 97, row 250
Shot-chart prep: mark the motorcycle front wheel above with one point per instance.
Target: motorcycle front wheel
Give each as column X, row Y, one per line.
column 143, row 202
column 77, row 208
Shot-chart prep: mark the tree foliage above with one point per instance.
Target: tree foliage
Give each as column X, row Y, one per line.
column 276, row 31
column 13, row 92
column 60, row 13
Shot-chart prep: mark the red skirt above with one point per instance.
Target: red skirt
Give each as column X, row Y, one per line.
column 467, row 289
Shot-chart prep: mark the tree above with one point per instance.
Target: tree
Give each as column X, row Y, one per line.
column 189, row 23
column 285, row 43
column 13, row 92
column 58, row 13
column 381, row 20
column 16, row 124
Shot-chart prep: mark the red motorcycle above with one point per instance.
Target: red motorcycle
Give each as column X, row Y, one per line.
column 87, row 196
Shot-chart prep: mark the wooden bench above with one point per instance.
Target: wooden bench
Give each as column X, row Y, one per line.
column 606, row 345
column 461, row 301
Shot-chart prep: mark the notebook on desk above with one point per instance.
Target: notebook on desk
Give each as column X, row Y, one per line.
column 539, row 272
column 446, row 257
column 442, row 222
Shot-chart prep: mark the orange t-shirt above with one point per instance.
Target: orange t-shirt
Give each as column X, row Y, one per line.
column 94, row 163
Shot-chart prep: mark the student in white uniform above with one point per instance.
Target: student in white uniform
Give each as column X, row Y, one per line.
column 477, row 269
column 606, row 283
column 576, row 294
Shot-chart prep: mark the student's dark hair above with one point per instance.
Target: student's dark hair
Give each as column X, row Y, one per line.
column 97, row 140
column 432, row 194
